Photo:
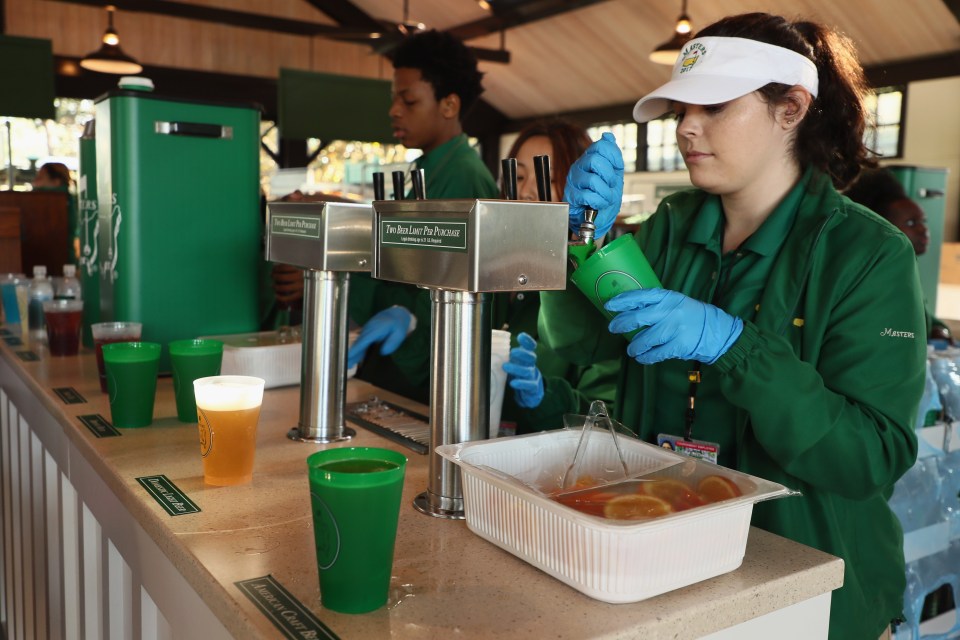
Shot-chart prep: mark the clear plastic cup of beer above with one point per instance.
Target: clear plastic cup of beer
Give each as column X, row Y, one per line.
column 228, row 409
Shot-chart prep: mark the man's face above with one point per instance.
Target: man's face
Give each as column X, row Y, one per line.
column 416, row 115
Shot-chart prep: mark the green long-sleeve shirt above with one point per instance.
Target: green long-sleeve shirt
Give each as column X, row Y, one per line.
column 819, row 392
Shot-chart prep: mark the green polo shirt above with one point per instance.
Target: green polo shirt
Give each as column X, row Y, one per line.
column 455, row 170
column 734, row 282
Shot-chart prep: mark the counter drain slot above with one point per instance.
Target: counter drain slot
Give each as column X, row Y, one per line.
column 405, row 427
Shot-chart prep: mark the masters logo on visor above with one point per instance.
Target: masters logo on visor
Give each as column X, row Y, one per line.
column 691, row 56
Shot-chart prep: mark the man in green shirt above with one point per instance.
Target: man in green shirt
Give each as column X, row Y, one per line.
column 435, row 82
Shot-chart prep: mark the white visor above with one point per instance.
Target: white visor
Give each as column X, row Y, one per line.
column 713, row 70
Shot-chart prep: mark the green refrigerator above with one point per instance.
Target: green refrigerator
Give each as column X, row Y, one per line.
column 927, row 186
column 88, row 229
column 179, row 217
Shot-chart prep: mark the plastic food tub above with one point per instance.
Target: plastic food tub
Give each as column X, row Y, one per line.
column 615, row 561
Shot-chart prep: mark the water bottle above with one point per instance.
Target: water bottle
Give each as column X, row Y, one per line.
column 40, row 291
column 69, row 286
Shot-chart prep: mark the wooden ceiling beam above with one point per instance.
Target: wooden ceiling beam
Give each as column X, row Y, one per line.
column 515, row 15
column 902, row 72
column 346, row 14
column 219, row 16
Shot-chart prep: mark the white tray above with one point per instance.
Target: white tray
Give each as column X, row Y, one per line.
column 612, row 561
column 264, row 355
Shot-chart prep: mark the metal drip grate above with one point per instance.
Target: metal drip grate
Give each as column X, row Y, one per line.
column 409, row 428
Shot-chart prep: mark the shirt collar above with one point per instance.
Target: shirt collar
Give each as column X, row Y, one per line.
column 707, row 227
column 432, row 158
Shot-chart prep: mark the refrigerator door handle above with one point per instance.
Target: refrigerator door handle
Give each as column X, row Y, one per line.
column 194, row 129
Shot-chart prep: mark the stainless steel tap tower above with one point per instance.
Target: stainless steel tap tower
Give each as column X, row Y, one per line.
column 328, row 240
column 463, row 250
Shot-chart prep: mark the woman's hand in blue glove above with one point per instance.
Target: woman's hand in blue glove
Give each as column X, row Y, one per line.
column 596, row 181
column 523, row 375
column 677, row 326
column 389, row 326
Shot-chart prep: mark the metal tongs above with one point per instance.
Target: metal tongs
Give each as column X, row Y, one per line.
column 596, row 416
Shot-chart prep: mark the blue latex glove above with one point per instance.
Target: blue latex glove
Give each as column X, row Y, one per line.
column 677, row 326
column 524, row 376
column 389, row 326
column 596, row 180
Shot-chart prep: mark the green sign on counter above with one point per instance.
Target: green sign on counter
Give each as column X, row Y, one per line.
column 13, row 341
column 168, row 495
column 442, row 235
column 99, row 426
column 286, row 613
column 69, row 395
column 28, row 356
column 300, row 226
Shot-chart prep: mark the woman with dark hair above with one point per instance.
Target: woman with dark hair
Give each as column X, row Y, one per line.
column 545, row 386
column 788, row 336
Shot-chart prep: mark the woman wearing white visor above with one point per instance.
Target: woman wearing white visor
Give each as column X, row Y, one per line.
column 791, row 319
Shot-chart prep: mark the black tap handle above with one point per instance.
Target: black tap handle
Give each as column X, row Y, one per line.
column 419, row 184
column 379, row 190
column 541, row 168
column 508, row 167
column 398, row 185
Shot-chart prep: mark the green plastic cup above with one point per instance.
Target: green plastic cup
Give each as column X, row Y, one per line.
column 131, row 381
column 192, row 359
column 617, row 267
column 355, row 493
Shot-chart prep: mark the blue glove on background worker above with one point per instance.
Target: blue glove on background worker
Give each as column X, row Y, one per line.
column 677, row 326
column 524, row 376
column 390, row 326
column 596, row 180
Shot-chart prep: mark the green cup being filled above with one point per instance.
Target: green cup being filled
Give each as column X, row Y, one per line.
column 355, row 495
column 617, row 267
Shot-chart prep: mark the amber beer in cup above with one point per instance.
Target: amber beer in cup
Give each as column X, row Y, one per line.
column 228, row 408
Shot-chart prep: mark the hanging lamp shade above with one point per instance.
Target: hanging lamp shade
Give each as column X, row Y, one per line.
column 110, row 58
column 667, row 52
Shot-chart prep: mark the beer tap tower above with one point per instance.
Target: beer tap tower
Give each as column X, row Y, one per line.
column 328, row 240
column 462, row 251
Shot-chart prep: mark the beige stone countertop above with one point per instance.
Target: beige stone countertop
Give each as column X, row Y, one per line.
column 447, row 582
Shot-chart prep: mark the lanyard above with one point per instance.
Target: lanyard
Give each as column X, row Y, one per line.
column 694, row 375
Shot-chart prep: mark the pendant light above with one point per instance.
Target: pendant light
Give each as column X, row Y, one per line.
column 667, row 52
column 110, row 58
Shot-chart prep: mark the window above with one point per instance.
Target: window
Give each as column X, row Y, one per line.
column 661, row 147
column 885, row 108
column 626, row 135
column 36, row 142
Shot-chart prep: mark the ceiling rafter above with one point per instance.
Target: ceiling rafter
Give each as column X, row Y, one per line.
column 346, row 14
column 517, row 14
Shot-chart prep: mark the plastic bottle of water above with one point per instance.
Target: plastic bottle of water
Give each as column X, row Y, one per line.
column 40, row 291
column 69, row 286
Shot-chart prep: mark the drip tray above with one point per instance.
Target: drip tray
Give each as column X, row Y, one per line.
column 405, row 427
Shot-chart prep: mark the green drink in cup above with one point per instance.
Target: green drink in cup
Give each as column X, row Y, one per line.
column 192, row 359
column 355, row 494
column 131, row 381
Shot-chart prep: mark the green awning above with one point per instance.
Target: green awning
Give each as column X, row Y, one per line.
column 332, row 107
column 27, row 65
